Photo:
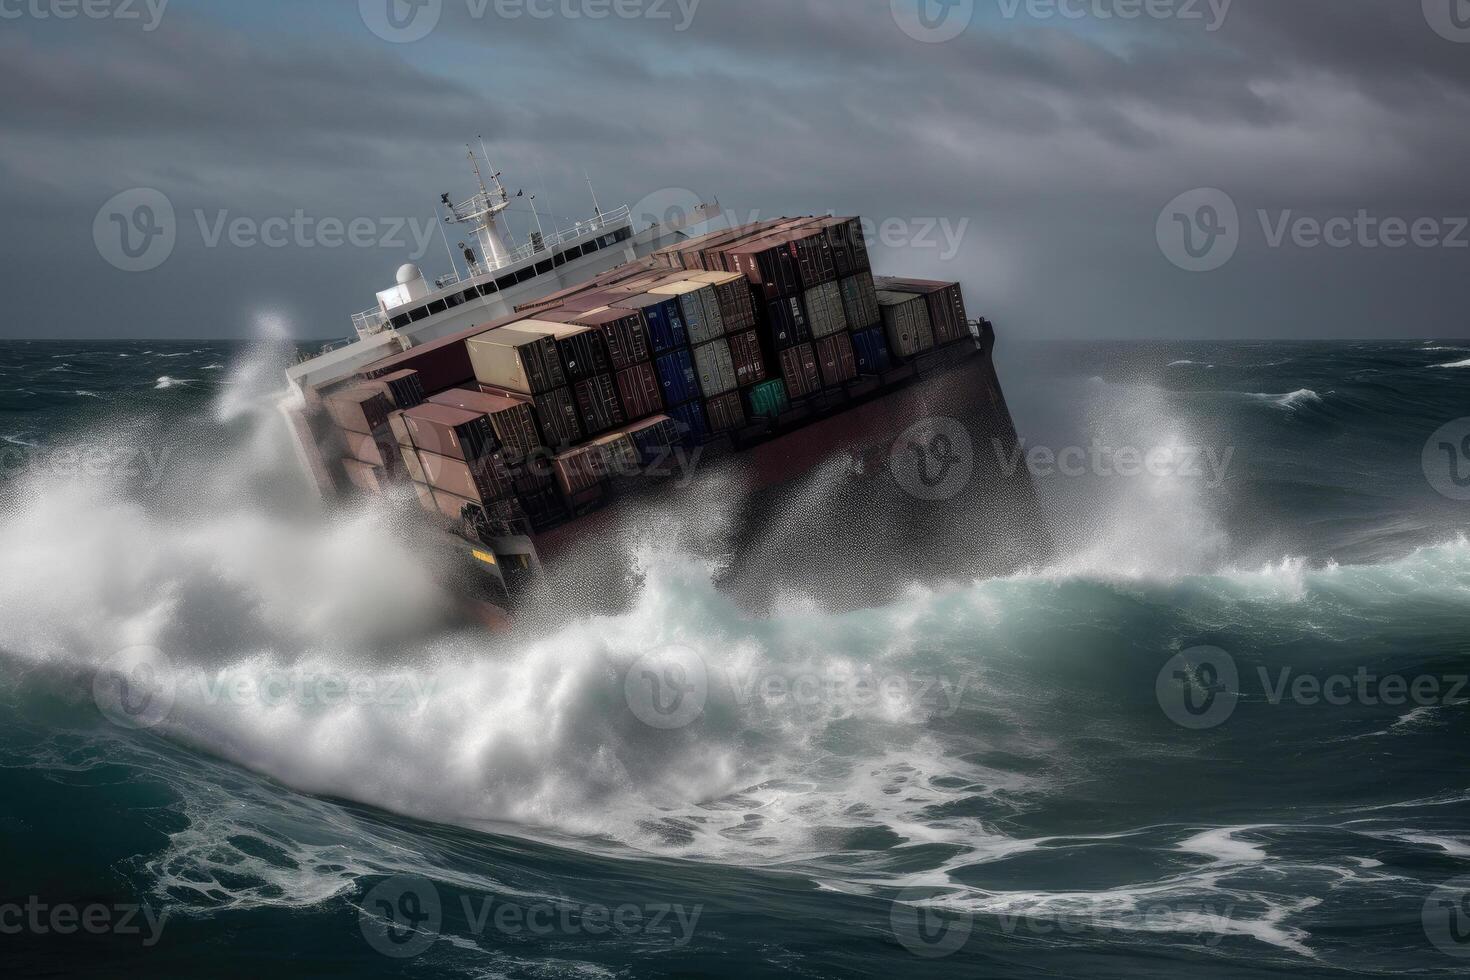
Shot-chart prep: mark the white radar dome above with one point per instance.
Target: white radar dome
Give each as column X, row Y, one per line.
column 409, row 273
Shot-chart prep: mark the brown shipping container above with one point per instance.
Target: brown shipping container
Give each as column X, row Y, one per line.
column 598, row 404
column 906, row 322
column 483, row 480
column 512, row 419
column 560, row 421
column 374, row 450
column 399, row 428
column 640, row 391
column 771, row 265
column 715, row 368
column 619, row 455
column 799, row 368
column 732, row 292
column 442, row 363
column 623, row 333
column 581, row 469
column 454, row 507
column 726, row 412
column 860, row 302
column 411, row 464
column 945, row 302
column 824, row 310
column 361, row 408
column 450, row 431
column 368, row 479
column 745, row 354
column 405, row 389
column 527, row 361
column 836, row 359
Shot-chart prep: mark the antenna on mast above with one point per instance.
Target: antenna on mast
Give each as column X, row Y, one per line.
column 595, row 208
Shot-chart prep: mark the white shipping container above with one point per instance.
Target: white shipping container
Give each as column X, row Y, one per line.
column 715, row 367
column 824, row 310
column 906, row 321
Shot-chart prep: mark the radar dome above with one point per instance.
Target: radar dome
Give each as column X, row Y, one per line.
column 409, row 273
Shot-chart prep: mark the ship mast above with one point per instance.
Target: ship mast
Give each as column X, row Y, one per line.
column 481, row 213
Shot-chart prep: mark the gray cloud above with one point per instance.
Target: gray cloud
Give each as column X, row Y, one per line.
column 1059, row 144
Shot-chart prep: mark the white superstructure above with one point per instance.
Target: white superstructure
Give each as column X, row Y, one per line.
column 497, row 277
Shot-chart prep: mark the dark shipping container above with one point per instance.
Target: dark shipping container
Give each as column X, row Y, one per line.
column 835, row 359
column 512, row 419
column 662, row 319
column 870, row 347
column 677, row 376
column 745, row 353
column 640, row 391
column 450, row 432
column 599, row 405
column 800, row 372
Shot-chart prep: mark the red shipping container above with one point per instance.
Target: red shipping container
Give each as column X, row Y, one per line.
column 450, row 431
column 361, row 408
column 750, row 363
column 835, row 359
column 726, row 412
column 799, row 368
column 640, row 391
column 372, row 450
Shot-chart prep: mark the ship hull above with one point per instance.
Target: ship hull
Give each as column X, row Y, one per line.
column 920, row 481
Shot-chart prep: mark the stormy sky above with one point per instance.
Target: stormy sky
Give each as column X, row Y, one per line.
column 1035, row 150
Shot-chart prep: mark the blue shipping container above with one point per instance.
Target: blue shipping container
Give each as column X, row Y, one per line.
column 677, row 377
column 666, row 325
column 871, row 348
column 691, row 422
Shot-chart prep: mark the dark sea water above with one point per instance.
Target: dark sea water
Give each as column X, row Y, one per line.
column 1222, row 734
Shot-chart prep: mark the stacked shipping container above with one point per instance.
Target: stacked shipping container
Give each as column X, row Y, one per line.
column 527, row 419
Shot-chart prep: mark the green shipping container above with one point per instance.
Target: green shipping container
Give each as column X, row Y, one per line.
column 767, row 399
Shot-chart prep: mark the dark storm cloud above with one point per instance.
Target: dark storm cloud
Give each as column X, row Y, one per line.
column 1056, row 142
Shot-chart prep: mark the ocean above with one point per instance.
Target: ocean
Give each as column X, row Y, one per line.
column 1219, row 732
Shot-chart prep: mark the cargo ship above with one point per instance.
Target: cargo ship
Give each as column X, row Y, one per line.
column 547, row 398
